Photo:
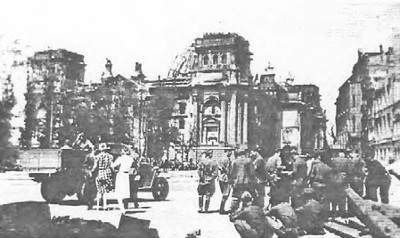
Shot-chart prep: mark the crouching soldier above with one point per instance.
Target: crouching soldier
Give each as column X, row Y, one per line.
column 250, row 221
column 208, row 171
column 312, row 215
column 287, row 216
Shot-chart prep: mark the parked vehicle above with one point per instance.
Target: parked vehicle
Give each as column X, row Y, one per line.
column 66, row 172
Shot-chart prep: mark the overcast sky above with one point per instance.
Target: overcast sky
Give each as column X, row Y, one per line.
column 316, row 41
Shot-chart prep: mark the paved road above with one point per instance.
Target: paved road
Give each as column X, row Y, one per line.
column 173, row 218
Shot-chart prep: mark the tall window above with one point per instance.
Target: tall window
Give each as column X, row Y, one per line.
column 205, row 60
column 181, row 124
column 354, row 100
column 182, row 108
column 354, row 123
column 223, row 58
column 215, row 59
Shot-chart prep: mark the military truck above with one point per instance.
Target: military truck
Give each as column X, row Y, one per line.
column 66, row 172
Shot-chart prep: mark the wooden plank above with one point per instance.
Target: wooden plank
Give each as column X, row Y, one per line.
column 351, row 222
column 378, row 224
column 343, row 231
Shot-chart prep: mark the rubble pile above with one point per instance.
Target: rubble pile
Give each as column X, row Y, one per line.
column 32, row 219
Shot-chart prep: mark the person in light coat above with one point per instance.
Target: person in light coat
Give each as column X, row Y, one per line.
column 122, row 185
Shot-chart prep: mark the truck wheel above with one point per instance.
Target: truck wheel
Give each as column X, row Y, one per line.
column 51, row 192
column 160, row 189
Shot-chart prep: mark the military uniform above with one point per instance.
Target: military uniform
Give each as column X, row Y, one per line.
column 261, row 178
column 208, row 171
column 299, row 176
column 377, row 177
column 224, row 166
column 312, row 215
column 285, row 213
column 251, row 223
column 319, row 176
column 357, row 176
column 242, row 178
column 338, row 183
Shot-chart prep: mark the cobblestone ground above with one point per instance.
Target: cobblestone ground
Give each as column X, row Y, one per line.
column 173, row 218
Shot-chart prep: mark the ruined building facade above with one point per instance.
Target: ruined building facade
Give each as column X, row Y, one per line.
column 376, row 81
column 220, row 104
column 50, row 73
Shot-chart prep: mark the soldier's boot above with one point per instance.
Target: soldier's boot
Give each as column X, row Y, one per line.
column 207, row 204
column 200, row 204
column 222, row 206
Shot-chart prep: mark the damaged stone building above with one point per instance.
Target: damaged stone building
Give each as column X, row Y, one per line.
column 49, row 73
column 373, row 100
column 219, row 103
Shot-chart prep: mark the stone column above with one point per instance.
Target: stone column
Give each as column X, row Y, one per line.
column 232, row 120
column 200, row 124
column 222, row 125
column 245, row 120
column 239, row 123
column 196, row 116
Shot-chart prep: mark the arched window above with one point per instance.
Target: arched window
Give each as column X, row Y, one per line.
column 215, row 59
column 223, row 59
column 205, row 60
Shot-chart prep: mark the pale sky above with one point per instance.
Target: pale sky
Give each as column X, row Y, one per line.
column 315, row 40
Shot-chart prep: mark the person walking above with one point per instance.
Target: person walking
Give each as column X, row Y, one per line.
column 102, row 167
column 242, row 177
column 122, row 185
column 224, row 167
column 208, row 172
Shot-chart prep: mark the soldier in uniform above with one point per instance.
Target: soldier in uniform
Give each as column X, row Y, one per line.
column 250, row 221
column 312, row 215
column 241, row 177
column 286, row 214
column 208, row 172
column 261, row 176
column 357, row 174
column 338, row 183
column 319, row 176
column 377, row 177
column 299, row 176
column 224, row 166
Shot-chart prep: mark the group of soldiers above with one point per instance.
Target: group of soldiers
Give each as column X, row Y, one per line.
column 304, row 190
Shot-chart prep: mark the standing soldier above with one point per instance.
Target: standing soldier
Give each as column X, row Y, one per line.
column 377, row 177
column 208, row 171
column 241, row 177
column 319, row 178
column 224, row 167
column 299, row 176
column 261, row 177
column 339, row 183
column 357, row 174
